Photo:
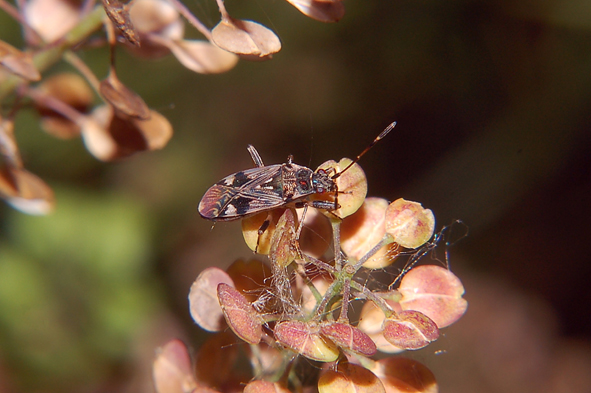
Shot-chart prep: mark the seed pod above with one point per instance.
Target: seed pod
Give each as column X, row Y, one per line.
column 305, row 339
column 240, row 315
column 410, row 330
column 349, row 337
column 409, row 223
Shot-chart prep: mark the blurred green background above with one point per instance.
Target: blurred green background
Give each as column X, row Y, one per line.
column 492, row 100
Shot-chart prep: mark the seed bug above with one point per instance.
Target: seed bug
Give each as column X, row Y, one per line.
column 265, row 188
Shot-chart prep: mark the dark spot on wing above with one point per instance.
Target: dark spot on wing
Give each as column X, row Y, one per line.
column 240, row 179
column 242, row 205
column 236, row 180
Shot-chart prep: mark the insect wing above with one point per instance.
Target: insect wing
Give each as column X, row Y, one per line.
column 243, row 193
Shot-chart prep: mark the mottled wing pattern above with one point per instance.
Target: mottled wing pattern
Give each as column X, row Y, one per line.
column 243, row 193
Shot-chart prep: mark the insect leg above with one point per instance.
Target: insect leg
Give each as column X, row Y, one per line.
column 262, row 230
column 256, row 157
column 325, row 205
column 301, row 224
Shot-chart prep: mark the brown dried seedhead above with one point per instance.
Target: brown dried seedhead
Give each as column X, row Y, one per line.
column 123, row 124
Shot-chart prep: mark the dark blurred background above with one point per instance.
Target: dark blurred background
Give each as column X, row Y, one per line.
column 492, row 100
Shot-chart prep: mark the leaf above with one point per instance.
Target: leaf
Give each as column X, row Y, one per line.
column 245, row 37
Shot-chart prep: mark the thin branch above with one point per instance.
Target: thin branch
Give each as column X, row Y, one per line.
column 82, row 68
column 184, row 11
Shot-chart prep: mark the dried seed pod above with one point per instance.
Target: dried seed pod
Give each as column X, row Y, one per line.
column 249, row 277
column 245, row 37
column 109, row 137
column 259, row 386
column 25, row 191
column 215, row 359
column 323, row 11
column 52, row 19
column 157, row 23
column 240, row 315
column 119, row 15
column 434, row 291
column 172, row 370
column 410, row 330
column 352, row 187
column 363, row 230
column 371, row 321
column 316, row 233
column 203, row 299
column 284, row 243
column 261, row 243
column 72, row 90
column 409, row 223
column 349, row 337
column 202, row 56
column 401, row 375
column 349, row 378
column 122, row 98
column 305, row 339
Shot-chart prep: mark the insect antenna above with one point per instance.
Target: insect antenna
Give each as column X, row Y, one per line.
column 378, row 138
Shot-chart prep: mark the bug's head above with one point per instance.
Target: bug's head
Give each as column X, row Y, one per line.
column 322, row 181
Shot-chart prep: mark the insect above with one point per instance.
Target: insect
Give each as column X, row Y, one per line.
column 264, row 188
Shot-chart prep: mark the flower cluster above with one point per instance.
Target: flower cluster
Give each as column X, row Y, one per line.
column 54, row 30
column 299, row 305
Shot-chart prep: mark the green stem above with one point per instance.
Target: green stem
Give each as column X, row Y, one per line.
column 47, row 57
column 377, row 300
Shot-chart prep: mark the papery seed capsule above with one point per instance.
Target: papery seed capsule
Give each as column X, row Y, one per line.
column 240, row 315
column 350, row 378
column 410, row 330
column 203, row 299
column 352, row 187
column 349, row 337
column 434, row 291
column 409, row 223
column 304, row 338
